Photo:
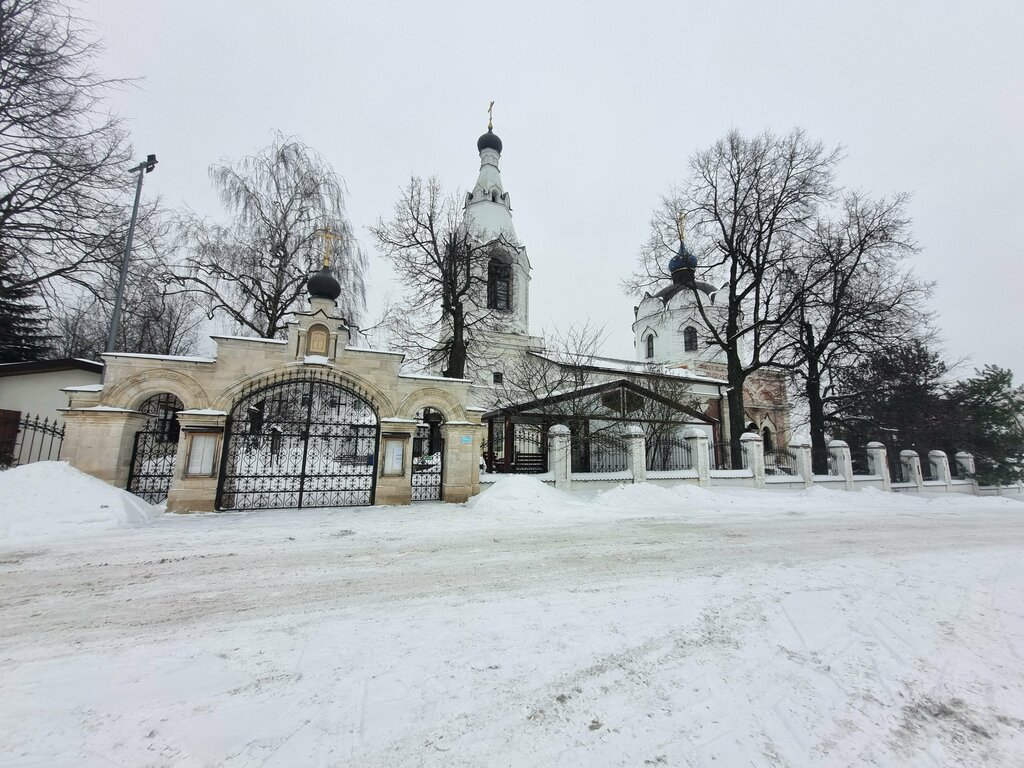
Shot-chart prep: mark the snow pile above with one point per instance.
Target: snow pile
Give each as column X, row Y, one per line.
column 518, row 493
column 50, row 498
column 635, row 497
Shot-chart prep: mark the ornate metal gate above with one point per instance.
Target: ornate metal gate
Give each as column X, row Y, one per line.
column 427, row 457
column 299, row 440
column 155, row 448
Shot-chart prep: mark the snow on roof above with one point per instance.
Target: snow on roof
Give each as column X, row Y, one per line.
column 202, row 412
column 427, row 378
column 83, row 388
column 375, row 351
column 107, row 408
column 249, row 338
column 617, row 365
column 177, row 358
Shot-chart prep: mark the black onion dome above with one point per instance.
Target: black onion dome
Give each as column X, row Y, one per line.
column 323, row 285
column 489, row 140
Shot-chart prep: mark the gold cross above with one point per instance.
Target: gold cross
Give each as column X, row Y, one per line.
column 328, row 237
column 681, row 227
column 490, row 117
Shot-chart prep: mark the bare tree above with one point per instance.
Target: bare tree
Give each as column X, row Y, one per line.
column 253, row 270
column 441, row 319
column 854, row 296
column 63, row 158
column 749, row 204
column 564, row 385
column 155, row 318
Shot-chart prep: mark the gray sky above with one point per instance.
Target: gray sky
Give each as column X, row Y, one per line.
column 599, row 106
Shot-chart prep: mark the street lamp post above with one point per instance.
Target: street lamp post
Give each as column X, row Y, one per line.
column 144, row 167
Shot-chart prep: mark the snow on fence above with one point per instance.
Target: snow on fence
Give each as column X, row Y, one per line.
column 692, row 459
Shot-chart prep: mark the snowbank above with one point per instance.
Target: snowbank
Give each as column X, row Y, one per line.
column 518, row 493
column 50, row 498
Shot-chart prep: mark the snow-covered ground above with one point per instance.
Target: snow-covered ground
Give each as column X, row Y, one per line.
column 642, row 626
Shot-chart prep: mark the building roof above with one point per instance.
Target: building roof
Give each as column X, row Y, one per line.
column 623, row 384
column 47, row 366
column 614, row 365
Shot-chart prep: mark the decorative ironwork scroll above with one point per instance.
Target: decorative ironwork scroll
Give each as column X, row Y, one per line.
column 155, row 449
column 427, row 457
column 299, row 440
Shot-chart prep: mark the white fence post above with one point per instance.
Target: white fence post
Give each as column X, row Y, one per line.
column 878, row 464
column 912, row 468
column 753, row 452
column 698, row 443
column 940, row 467
column 844, row 464
column 966, row 463
column 804, row 464
column 636, row 453
column 560, row 456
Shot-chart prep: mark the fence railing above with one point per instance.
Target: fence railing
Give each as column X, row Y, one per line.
column 779, row 461
column 668, row 454
column 859, row 461
column 27, row 439
column 605, row 453
column 897, row 472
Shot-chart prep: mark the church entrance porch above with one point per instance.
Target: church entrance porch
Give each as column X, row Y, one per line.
column 299, row 440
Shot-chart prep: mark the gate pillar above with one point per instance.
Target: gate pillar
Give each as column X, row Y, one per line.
column 197, row 464
column 99, row 441
column 462, row 448
column 394, row 473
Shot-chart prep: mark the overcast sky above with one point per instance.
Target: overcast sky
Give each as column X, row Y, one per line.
column 599, row 105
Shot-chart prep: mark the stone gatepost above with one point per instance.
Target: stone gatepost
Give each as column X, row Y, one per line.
column 940, row 467
column 878, row 464
column 394, row 462
column 912, row 468
column 804, row 462
column 197, row 462
column 636, row 453
column 840, row 452
column 461, row 477
column 700, row 454
column 99, row 441
column 753, row 451
column 965, row 461
column 560, row 456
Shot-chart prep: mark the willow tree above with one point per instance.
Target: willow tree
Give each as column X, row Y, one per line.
column 252, row 269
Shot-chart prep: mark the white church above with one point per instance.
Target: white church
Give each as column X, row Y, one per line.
column 671, row 353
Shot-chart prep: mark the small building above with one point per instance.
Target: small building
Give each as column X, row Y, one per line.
column 35, row 387
column 307, row 421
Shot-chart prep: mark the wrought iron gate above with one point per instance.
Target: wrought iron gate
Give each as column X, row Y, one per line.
column 155, row 448
column 427, row 457
column 299, row 440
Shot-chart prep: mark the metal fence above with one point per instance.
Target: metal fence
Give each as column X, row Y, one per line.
column 859, row 460
column 779, row 461
column 668, row 454
column 897, row 472
column 604, row 453
column 27, row 439
column 928, row 469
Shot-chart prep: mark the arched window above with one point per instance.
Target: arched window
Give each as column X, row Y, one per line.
column 650, row 345
column 769, row 446
column 690, row 339
column 499, row 284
